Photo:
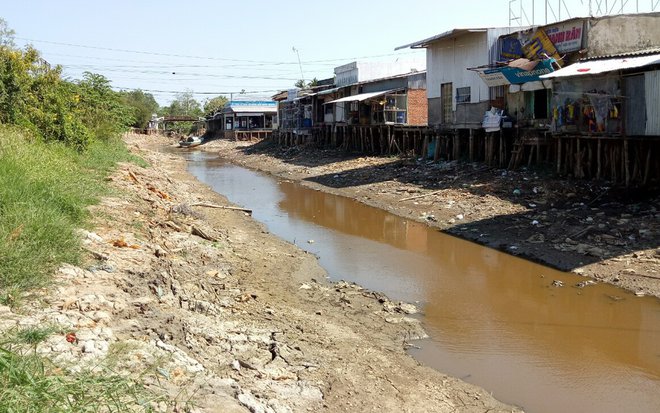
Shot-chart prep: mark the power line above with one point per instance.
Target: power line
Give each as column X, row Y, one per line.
column 142, row 52
column 199, row 75
column 215, row 58
column 250, row 92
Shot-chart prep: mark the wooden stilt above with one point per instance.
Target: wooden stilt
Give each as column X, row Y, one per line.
column 598, row 160
column 558, row 155
column 578, row 160
column 647, row 167
column 626, row 161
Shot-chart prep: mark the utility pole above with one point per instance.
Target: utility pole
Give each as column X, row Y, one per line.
column 302, row 76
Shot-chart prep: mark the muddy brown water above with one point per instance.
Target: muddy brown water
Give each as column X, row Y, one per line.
column 493, row 319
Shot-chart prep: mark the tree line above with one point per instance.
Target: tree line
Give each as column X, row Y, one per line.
column 35, row 96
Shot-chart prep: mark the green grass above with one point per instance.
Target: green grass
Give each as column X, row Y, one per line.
column 44, row 192
column 31, row 383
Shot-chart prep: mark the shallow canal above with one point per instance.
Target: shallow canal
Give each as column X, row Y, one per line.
column 494, row 320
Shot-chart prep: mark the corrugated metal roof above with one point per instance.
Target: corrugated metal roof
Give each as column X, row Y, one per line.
column 361, row 96
column 444, row 35
column 644, row 52
column 593, row 67
column 328, row 91
column 252, row 108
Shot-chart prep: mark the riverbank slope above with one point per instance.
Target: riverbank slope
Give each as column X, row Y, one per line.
column 214, row 314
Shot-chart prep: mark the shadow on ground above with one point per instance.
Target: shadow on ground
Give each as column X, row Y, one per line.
column 568, row 222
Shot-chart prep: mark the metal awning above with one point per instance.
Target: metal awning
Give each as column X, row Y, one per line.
column 360, row 97
column 594, row 67
column 445, row 35
column 328, row 91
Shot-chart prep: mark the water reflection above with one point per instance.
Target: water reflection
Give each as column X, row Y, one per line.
column 493, row 319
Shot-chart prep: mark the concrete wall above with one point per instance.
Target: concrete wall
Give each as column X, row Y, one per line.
column 417, row 107
column 623, row 33
column 435, row 111
column 470, row 115
column 362, row 71
column 447, row 61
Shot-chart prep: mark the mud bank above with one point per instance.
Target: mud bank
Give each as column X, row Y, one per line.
column 608, row 234
column 217, row 315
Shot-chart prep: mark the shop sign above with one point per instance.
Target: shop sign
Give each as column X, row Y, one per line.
column 517, row 76
column 291, row 94
column 566, row 37
column 506, row 75
column 511, row 48
column 493, row 77
column 540, row 46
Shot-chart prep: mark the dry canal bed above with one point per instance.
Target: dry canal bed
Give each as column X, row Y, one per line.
column 535, row 337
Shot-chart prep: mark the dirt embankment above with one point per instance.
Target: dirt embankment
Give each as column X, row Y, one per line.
column 609, row 234
column 220, row 316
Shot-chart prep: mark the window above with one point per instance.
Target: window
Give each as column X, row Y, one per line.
column 327, row 109
column 463, row 94
column 395, row 108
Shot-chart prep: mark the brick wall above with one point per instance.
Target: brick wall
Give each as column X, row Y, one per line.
column 417, row 107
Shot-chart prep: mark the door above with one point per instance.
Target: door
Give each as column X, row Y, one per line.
column 447, row 97
column 635, row 105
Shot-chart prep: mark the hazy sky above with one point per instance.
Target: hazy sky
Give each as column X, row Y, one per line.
column 213, row 47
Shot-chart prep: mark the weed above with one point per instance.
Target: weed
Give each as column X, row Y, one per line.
column 32, row 383
column 35, row 335
column 44, row 193
column 10, row 296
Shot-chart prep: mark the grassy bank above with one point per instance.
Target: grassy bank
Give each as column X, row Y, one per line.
column 32, row 383
column 44, row 191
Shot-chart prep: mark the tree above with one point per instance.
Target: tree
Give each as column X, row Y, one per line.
column 34, row 96
column 101, row 108
column 214, row 104
column 142, row 106
column 6, row 34
column 300, row 84
column 183, row 105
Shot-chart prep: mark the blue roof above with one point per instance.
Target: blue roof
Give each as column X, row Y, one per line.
column 243, row 103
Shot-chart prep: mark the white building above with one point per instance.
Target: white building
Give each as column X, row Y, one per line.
column 457, row 97
column 355, row 72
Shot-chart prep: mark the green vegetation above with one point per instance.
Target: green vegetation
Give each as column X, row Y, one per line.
column 214, row 104
column 300, row 84
column 142, row 105
column 183, row 104
column 58, row 140
column 44, row 190
column 31, row 383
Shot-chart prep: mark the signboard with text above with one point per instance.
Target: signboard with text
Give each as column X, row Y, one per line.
column 540, row 46
column 566, row 37
column 553, row 40
column 507, row 75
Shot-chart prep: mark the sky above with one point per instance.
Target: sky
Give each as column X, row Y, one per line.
column 258, row 47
